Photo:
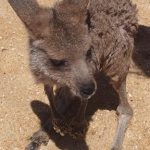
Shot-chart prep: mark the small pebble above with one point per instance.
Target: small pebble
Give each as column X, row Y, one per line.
column 13, row 49
column 135, row 147
column 3, row 49
column 129, row 95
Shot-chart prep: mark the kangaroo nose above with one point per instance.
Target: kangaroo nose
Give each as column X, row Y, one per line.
column 87, row 89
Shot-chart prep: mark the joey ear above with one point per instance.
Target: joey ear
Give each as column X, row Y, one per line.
column 36, row 19
column 72, row 11
column 40, row 23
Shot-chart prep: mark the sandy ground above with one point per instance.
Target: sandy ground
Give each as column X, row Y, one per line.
column 23, row 105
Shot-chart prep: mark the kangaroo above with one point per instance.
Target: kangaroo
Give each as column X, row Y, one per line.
column 72, row 41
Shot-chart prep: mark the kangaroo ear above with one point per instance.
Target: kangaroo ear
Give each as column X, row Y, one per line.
column 36, row 19
column 72, row 11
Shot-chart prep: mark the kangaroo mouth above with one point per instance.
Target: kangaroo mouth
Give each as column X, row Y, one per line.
column 54, row 89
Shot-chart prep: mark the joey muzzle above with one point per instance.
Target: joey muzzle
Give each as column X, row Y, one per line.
column 87, row 89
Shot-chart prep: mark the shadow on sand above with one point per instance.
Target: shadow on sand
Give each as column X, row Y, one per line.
column 141, row 55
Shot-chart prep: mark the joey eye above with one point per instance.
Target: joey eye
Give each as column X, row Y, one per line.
column 58, row 63
column 89, row 54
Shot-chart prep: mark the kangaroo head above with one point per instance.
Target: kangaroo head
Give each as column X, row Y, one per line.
column 60, row 45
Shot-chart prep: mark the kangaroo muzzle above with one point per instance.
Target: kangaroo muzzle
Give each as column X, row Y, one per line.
column 87, row 89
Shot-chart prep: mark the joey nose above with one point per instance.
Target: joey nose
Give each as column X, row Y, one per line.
column 87, row 89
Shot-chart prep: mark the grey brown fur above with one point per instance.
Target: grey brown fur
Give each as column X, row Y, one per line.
column 75, row 39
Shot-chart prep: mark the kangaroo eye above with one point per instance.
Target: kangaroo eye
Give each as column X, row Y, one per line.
column 58, row 63
column 89, row 54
